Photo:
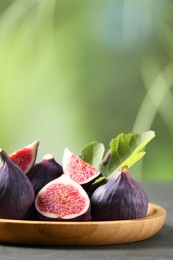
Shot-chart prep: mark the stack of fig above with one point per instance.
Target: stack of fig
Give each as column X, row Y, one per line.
column 49, row 191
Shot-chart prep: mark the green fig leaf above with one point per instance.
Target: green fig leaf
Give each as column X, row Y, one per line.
column 92, row 153
column 126, row 149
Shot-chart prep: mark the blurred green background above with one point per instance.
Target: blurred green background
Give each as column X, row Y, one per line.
column 76, row 71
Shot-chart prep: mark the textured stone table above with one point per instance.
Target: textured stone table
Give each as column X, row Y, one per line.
column 158, row 247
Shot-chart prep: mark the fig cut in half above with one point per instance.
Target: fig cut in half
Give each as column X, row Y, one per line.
column 78, row 170
column 63, row 199
column 25, row 157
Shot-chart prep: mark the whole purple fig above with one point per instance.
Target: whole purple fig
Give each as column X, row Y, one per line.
column 121, row 198
column 43, row 172
column 16, row 191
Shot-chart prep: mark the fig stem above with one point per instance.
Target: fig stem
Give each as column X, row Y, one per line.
column 124, row 169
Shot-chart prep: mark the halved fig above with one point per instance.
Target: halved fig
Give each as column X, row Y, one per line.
column 78, row 170
column 25, row 157
column 63, row 199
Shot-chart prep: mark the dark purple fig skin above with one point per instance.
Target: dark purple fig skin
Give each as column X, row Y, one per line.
column 121, row 198
column 16, row 191
column 89, row 187
column 93, row 186
column 45, row 171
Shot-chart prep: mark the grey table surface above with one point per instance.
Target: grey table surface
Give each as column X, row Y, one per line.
column 157, row 247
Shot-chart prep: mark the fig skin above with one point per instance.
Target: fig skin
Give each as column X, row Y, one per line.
column 91, row 187
column 44, row 172
column 16, row 191
column 121, row 198
column 63, row 200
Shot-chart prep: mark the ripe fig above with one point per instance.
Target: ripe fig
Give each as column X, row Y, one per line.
column 25, row 157
column 43, row 172
column 16, row 191
column 121, row 198
column 63, row 199
column 79, row 170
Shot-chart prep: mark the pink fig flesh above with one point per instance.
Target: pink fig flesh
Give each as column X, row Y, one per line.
column 63, row 199
column 78, row 170
column 25, row 157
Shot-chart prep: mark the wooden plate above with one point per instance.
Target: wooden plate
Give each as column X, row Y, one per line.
column 48, row 233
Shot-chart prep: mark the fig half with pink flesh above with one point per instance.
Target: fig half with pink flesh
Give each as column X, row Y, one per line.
column 78, row 170
column 63, row 200
column 25, row 157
